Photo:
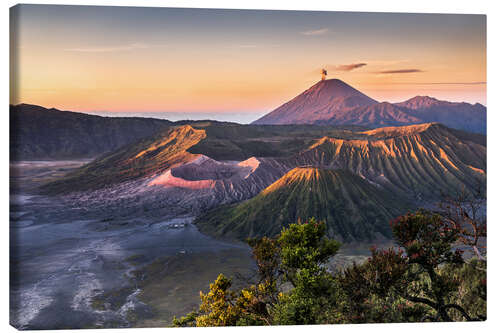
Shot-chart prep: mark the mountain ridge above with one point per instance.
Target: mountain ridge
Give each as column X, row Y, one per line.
column 336, row 176
column 163, row 151
column 418, row 161
column 330, row 102
column 42, row 133
column 352, row 208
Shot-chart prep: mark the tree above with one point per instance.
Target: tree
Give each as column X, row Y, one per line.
column 422, row 273
column 426, row 278
column 304, row 251
column 427, row 239
column 266, row 253
column 295, row 258
column 217, row 307
column 305, row 246
column 466, row 212
column 370, row 290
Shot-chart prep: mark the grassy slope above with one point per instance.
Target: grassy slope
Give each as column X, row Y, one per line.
column 351, row 207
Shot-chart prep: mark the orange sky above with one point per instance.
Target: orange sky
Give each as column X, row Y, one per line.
column 136, row 59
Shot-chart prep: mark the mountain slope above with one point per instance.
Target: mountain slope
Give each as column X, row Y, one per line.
column 318, row 103
column 40, row 133
column 138, row 160
column 333, row 102
column 374, row 115
column 353, row 208
column 464, row 116
column 418, row 161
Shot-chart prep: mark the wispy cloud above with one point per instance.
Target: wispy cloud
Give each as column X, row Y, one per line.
column 247, row 46
column 251, row 45
column 451, row 83
column 315, row 32
column 385, row 62
column 349, row 67
column 115, row 48
column 400, row 71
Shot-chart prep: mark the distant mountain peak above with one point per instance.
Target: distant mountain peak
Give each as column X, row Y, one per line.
column 424, row 98
column 419, row 102
column 318, row 103
column 334, row 102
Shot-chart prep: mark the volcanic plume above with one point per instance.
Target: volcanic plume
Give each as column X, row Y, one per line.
column 324, row 73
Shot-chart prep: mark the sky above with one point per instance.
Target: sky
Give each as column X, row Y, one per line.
column 235, row 64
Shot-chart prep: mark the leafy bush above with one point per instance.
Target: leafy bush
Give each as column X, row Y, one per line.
column 424, row 279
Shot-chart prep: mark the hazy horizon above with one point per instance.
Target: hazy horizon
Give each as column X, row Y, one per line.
column 241, row 118
column 245, row 117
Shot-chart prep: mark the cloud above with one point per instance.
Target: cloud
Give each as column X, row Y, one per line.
column 316, row 32
column 252, row 46
column 116, row 48
column 349, row 67
column 247, row 46
column 400, row 71
column 386, row 62
column 447, row 83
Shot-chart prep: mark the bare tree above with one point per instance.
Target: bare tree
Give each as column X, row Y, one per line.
column 467, row 211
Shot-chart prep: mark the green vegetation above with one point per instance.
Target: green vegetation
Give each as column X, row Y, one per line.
column 425, row 279
column 352, row 208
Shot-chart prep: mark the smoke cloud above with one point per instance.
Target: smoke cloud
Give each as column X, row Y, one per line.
column 349, row 67
column 400, row 71
column 315, row 32
column 324, row 73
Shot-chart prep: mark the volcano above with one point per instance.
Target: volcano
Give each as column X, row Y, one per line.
column 318, row 103
column 353, row 208
column 334, row 102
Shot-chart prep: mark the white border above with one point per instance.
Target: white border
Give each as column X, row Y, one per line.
column 491, row 8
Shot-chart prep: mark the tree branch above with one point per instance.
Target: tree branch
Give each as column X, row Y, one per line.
column 461, row 310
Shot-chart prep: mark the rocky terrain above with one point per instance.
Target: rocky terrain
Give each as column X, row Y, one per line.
column 419, row 161
column 160, row 176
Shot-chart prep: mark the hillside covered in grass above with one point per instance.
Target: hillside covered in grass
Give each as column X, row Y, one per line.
column 351, row 207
